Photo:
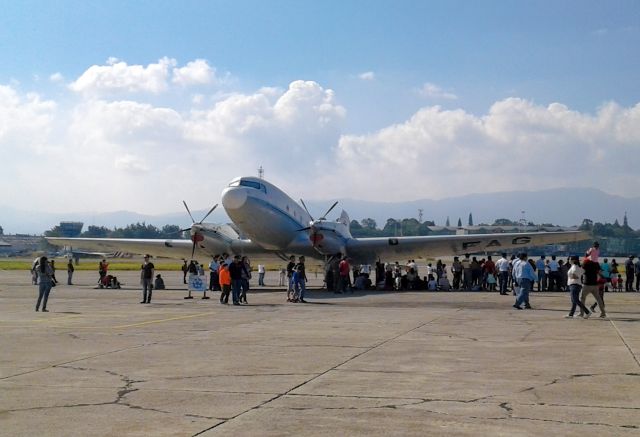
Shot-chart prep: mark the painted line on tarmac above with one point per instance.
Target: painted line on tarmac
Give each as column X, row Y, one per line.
column 149, row 322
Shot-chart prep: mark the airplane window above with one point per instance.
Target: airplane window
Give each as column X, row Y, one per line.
column 234, row 184
column 251, row 184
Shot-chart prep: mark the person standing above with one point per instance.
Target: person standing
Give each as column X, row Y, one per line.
column 185, row 270
column 53, row 269
column 525, row 277
column 343, row 272
column 541, row 274
column 45, row 282
column 246, row 275
column 225, row 283
column 554, row 274
column 575, row 286
column 146, row 278
column 466, row 272
column 456, row 270
column 214, row 266
column 629, row 271
column 290, row 265
column 261, row 272
column 605, row 272
column 637, row 272
column 70, row 270
column 302, row 278
column 235, row 271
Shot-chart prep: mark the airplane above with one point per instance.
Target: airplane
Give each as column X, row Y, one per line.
column 268, row 223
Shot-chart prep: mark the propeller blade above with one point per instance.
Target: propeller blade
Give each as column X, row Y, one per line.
column 193, row 249
column 306, row 209
column 329, row 210
column 304, row 229
column 185, row 205
column 210, row 211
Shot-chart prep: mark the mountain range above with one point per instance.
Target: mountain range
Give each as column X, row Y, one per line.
column 561, row 206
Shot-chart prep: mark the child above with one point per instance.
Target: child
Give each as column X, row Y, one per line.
column 432, row 285
column 491, row 281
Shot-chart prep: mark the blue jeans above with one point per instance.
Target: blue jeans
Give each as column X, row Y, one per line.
column 303, row 288
column 236, row 288
column 504, row 280
column 523, row 292
column 43, row 293
column 575, row 299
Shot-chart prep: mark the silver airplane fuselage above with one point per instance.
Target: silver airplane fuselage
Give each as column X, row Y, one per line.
column 268, row 216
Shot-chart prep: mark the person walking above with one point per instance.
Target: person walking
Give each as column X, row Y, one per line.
column 70, row 270
column 575, row 286
column 261, row 272
column 590, row 284
column 146, row 279
column 525, row 277
column 45, row 282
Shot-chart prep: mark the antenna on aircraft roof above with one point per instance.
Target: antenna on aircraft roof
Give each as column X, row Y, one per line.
column 261, row 172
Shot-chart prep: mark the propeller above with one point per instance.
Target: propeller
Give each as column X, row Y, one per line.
column 196, row 237
column 324, row 216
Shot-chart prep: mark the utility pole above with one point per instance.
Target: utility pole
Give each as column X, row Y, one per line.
column 420, row 211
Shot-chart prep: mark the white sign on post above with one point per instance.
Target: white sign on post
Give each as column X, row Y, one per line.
column 197, row 283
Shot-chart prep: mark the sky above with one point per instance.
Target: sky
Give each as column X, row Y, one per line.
column 138, row 105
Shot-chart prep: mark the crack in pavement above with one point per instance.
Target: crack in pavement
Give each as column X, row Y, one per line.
column 278, row 396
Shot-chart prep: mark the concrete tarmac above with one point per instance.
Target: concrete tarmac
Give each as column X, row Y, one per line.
column 376, row 363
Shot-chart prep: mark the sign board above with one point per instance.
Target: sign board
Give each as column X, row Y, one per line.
column 197, row 283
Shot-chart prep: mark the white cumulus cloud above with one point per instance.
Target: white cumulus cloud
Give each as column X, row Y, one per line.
column 119, row 76
column 367, row 75
column 197, row 72
column 433, row 91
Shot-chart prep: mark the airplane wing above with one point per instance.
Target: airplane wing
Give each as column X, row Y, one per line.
column 156, row 247
column 390, row 248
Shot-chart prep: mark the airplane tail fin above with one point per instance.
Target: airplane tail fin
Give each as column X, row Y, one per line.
column 344, row 219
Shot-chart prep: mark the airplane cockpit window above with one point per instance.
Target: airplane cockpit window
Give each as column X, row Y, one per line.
column 253, row 184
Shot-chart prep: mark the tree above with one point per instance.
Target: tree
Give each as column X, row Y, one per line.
column 53, row 232
column 355, row 226
column 1, row 231
column 504, row 222
column 96, row 232
column 587, row 225
column 459, row 222
column 447, row 224
column 369, row 223
column 470, row 219
column 171, row 231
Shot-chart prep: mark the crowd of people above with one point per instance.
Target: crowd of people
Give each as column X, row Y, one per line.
column 517, row 274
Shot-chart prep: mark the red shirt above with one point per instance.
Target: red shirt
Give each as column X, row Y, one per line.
column 344, row 268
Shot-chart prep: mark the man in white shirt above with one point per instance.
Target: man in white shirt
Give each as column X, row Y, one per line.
column 502, row 265
column 261, row 272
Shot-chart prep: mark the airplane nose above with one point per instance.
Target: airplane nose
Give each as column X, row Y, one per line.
column 234, row 197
